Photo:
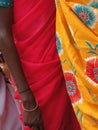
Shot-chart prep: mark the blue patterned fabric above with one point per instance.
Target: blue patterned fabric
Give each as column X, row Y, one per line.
column 6, row 3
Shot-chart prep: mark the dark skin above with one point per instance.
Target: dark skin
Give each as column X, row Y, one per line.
column 32, row 119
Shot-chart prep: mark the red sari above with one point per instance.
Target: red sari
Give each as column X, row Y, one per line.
column 34, row 33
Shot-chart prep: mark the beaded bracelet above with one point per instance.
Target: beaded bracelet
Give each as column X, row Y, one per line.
column 30, row 110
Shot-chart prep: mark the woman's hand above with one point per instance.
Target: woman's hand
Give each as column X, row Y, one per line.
column 32, row 114
column 33, row 119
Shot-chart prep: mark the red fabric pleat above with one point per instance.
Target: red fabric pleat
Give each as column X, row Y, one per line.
column 34, row 34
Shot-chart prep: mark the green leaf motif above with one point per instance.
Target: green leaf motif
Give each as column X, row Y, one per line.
column 78, row 112
column 63, row 62
column 96, row 46
column 90, row 45
column 92, row 52
column 72, row 68
column 81, row 117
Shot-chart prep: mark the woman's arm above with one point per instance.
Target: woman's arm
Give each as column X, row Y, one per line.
column 7, row 47
column 9, row 51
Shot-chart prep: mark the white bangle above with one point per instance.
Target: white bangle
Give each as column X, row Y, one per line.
column 30, row 110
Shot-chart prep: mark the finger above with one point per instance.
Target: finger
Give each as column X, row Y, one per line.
column 41, row 127
column 30, row 126
column 26, row 124
column 35, row 128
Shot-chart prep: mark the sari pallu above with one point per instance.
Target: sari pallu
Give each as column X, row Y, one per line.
column 77, row 43
column 34, row 34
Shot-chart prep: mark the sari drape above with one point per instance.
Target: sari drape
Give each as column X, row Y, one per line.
column 77, row 43
column 34, row 35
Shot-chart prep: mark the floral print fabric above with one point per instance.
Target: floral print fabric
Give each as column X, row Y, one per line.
column 77, row 45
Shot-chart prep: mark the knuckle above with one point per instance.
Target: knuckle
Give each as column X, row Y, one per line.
column 25, row 123
column 28, row 124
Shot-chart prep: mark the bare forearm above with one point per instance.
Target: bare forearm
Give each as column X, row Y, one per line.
column 12, row 59
column 31, row 112
column 10, row 54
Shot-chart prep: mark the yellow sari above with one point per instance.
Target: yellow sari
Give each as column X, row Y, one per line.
column 77, row 44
